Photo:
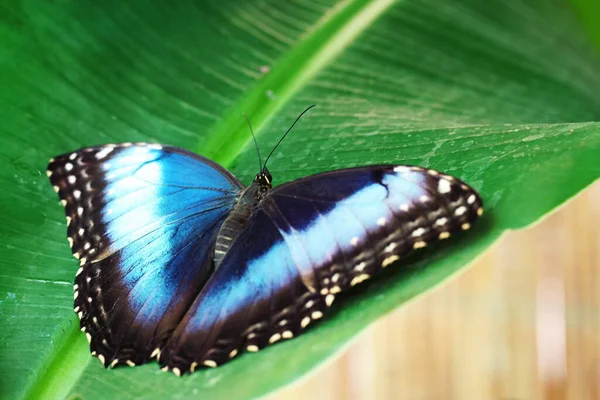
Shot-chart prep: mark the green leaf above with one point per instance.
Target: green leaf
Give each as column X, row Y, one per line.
column 502, row 95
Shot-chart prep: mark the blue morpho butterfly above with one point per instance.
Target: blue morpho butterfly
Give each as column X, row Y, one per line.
column 181, row 262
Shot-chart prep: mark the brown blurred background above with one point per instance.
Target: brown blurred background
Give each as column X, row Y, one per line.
column 522, row 323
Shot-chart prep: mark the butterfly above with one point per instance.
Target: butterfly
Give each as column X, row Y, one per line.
column 180, row 262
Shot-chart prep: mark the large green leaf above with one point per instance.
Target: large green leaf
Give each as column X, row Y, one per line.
column 501, row 94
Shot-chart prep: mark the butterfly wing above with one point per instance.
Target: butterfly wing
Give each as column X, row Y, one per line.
column 307, row 241
column 142, row 220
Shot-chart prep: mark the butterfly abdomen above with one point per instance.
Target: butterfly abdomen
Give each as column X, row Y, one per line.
column 235, row 223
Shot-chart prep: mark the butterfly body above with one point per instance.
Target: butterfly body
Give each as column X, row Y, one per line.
column 238, row 218
column 180, row 262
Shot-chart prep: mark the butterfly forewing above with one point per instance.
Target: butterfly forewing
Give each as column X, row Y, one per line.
column 307, row 241
column 142, row 220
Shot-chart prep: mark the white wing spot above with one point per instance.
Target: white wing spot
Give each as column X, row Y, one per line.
column 71, row 179
column 389, row 260
column 480, row 211
column 404, row 207
column 68, row 166
column 101, row 358
column 193, row 367
column 79, row 271
column 177, row 371
column 56, row 188
column 130, row 363
column 418, row 232
column 210, row 363
column 360, row 266
column 155, row 352
column 70, row 240
column 335, row 277
column 444, row 186
column 381, row 221
column 88, row 279
column 89, row 299
column 419, row 245
column 460, row 210
column 309, row 304
column 233, row 353
column 282, row 322
column 441, row 221
column 252, row 348
column 465, row 226
column 424, row 199
column 287, row 334
column 401, row 168
column 104, row 152
column 89, row 337
column 358, row 279
column 305, row 321
column 63, row 202
column 79, row 210
column 390, row 247
column 471, row 199
column 81, row 231
column 77, row 193
column 354, row 241
column 48, row 173
column 444, row 235
column 335, row 289
column 329, row 299
column 274, row 338
column 316, row 314
column 114, row 362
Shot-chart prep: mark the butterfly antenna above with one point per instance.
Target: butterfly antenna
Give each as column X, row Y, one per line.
column 285, row 134
column 255, row 142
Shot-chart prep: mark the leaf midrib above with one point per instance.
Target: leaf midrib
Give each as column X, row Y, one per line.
column 326, row 40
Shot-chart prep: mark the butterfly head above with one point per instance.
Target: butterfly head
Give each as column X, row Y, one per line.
column 264, row 179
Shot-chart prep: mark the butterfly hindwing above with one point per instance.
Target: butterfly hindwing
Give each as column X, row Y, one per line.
column 142, row 220
column 307, row 241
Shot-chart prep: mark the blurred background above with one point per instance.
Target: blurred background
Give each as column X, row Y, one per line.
column 523, row 322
